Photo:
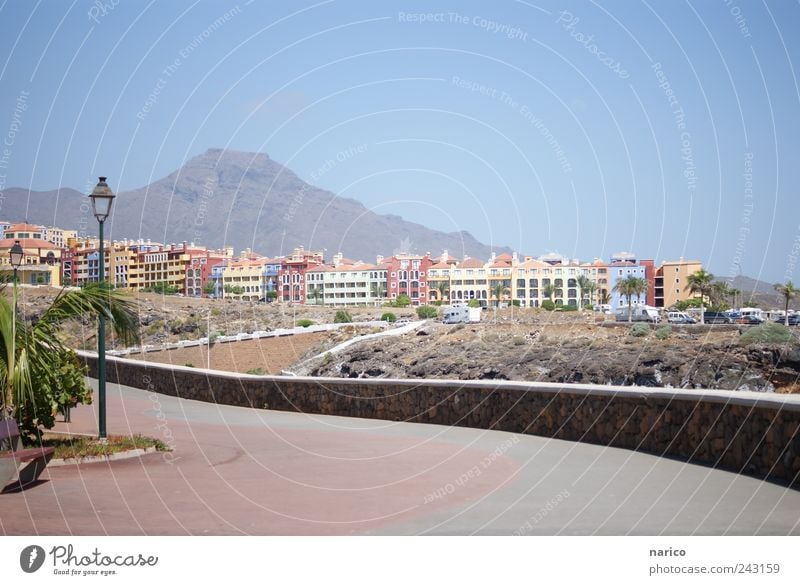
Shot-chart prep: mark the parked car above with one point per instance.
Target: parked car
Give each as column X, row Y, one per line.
column 679, row 317
column 748, row 320
column 712, row 318
column 794, row 319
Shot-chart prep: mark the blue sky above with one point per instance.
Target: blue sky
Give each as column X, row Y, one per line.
column 585, row 128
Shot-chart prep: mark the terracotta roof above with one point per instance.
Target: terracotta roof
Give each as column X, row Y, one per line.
column 504, row 256
column 501, row 264
column 27, row 243
column 441, row 265
column 472, row 263
column 24, row 227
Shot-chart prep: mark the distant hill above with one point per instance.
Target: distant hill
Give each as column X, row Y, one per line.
column 757, row 293
column 246, row 200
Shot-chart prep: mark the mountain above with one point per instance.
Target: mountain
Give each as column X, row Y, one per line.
column 756, row 292
column 246, row 200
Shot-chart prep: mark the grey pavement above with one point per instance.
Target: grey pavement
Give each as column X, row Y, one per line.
column 243, row 471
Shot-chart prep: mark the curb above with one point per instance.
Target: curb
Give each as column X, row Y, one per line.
column 101, row 458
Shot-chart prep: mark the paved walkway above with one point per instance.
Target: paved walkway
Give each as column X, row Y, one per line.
column 240, row 471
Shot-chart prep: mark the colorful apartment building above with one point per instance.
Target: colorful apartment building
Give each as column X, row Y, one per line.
column 671, row 280
column 41, row 261
column 407, row 274
column 243, row 277
column 624, row 265
column 469, row 281
column 346, row 283
column 291, row 277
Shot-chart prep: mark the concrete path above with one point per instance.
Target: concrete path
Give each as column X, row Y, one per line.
column 240, row 471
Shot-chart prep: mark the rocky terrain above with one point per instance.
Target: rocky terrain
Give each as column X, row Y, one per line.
column 514, row 344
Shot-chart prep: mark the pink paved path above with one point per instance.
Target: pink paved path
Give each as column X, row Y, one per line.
column 244, row 471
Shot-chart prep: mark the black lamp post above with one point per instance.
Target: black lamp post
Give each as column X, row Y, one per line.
column 102, row 198
column 16, row 254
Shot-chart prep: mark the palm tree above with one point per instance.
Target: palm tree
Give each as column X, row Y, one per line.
column 442, row 288
column 720, row 290
column 733, row 293
column 549, row 290
column 498, row 290
column 700, row 282
column 629, row 287
column 585, row 284
column 316, row 294
column 378, row 290
column 47, row 376
column 789, row 292
column 605, row 298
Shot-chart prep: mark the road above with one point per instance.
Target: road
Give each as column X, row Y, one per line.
column 241, row 471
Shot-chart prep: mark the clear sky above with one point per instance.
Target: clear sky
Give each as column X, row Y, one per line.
column 669, row 129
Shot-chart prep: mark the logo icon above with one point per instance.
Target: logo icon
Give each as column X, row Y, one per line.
column 31, row 558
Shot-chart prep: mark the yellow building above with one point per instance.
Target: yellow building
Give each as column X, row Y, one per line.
column 468, row 281
column 243, row 278
column 41, row 259
column 672, row 279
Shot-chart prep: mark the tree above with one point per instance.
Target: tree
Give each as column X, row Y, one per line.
column 549, row 290
column 700, row 282
column 585, row 284
column 605, row 298
column 720, row 290
column 378, row 290
column 402, row 301
column 427, row 312
column 162, row 288
column 47, row 376
column 443, row 288
column 499, row 290
column 342, row 317
column 316, row 294
column 629, row 287
column 474, row 303
column 788, row 292
column 208, row 288
column 734, row 293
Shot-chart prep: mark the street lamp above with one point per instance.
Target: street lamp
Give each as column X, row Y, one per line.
column 16, row 255
column 102, row 198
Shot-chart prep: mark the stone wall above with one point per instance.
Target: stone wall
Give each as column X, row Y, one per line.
column 746, row 432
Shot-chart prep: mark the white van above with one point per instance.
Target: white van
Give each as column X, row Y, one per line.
column 638, row 313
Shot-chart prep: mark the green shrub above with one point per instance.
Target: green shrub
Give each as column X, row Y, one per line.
column 256, row 372
column 569, row 307
column 663, row 332
column 343, row 317
column 402, row 301
column 640, row 330
column 515, row 302
column 189, row 364
column 589, row 307
column 548, row 305
column 389, row 317
column 427, row 312
column 474, row 303
column 304, row 322
column 767, row 333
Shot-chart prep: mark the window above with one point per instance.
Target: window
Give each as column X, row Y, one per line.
column 533, row 282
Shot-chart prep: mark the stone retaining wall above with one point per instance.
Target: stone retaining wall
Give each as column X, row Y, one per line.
column 746, row 432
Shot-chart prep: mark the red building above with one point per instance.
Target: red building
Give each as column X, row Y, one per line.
column 650, row 276
column 198, row 271
column 292, row 275
column 408, row 275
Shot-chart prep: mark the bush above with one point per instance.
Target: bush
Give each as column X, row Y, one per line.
column 515, row 303
column 767, row 333
column 548, row 305
column 569, row 307
column 343, row 317
column 427, row 312
column 256, row 372
column 517, row 340
column 402, row 301
column 474, row 303
column 589, row 307
column 389, row 317
column 304, row 322
column 640, row 330
column 663, row 332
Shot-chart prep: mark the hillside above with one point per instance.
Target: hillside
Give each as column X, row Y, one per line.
column 246, row 200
